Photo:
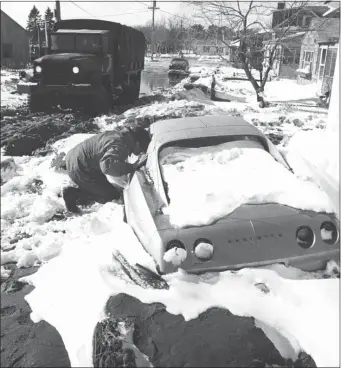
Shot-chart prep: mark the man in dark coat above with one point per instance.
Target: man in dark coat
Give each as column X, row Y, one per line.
column 106, row 153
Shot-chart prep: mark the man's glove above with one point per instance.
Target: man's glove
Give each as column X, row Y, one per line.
column 140, row 162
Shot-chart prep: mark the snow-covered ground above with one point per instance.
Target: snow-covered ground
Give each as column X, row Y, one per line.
column 301, row 311
column 9, row 80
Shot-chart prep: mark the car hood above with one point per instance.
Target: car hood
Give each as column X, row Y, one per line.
column 248, row 212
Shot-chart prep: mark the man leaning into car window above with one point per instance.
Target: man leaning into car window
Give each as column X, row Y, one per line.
column 99, row 166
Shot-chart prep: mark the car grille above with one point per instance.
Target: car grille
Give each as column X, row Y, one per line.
column 56, row 75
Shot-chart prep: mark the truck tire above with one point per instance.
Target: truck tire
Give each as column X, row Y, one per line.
column 38, row 102
column 101, row 103
column 130, row 93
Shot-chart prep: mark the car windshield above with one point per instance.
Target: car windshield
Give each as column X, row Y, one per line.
column 182, row 154
column 90, row 43
column 207, row 179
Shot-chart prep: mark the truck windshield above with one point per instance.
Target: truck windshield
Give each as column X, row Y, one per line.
column 78, row 43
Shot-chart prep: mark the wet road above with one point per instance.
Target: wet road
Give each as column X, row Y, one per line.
column 155, row 76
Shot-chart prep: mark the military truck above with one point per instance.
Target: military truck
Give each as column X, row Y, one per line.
column 90, row 63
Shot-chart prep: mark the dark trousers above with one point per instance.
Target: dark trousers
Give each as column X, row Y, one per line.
column 93, row 190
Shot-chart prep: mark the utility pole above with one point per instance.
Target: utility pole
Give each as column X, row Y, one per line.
column 57, row 11
column 153, row 8
column 46, row 36
column 38, row 34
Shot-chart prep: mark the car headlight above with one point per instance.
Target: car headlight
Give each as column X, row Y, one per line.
column 203, row 249
column 305, row 237
column 75, row 70
column 38, row 69
column 329, row 233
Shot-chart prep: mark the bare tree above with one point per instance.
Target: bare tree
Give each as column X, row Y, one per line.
column 249, row 22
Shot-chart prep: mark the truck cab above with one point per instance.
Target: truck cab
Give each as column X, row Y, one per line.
column 89, row 64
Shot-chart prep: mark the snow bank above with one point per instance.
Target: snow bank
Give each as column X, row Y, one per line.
column 316, row 159
column 301, row 313
column 206, row 184
column 10, row 100
column 30, row 200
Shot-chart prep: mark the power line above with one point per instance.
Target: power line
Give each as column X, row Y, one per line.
column 114, row 15
column 141, row 2
column 82, row 9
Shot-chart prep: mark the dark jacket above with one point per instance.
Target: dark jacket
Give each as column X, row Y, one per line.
column 105, row 153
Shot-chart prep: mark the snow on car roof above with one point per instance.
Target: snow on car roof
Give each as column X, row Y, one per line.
column 195, row 127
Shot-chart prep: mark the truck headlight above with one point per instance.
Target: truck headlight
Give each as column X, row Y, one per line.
column 38, row 69
column 75, row 70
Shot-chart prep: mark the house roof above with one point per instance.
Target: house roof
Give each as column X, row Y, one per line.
column 3, row 13
column 320, row 8
column 334, row 8
column 327, row 29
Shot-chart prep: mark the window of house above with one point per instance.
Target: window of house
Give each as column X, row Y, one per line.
column 307, row 21
column 7, row 50
column 322, row 62
column 330, row 62
column 288, row 56
column 307, row 59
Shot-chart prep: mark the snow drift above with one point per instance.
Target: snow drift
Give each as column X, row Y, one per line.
column 208, row 183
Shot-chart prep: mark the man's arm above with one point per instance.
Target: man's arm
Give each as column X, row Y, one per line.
column 113, row 163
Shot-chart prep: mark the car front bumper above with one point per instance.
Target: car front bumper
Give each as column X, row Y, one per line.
column 308, row 263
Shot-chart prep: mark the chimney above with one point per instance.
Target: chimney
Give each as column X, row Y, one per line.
column 281, row 5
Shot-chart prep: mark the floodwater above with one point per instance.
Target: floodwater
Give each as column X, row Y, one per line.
column 155, row 76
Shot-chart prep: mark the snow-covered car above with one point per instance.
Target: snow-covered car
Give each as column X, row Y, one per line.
column 178, row 70
column 251, row 234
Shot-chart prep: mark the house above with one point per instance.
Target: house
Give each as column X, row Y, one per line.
column 318, row 53
column 254, row 46
column 295, row 22
column 210, row 47
column 287, row 55
column 15, row 51
column 296, row 17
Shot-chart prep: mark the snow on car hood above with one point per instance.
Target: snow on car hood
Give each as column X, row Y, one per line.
column 208, row 183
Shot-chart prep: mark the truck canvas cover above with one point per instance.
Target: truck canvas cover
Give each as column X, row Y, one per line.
column 127, row 43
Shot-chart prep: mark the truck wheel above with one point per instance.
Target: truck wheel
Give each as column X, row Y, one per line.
column 129, row 94
column 101, row 103
column 33, row 103
column 136, row 90
column 123, row 99
column 39, row 103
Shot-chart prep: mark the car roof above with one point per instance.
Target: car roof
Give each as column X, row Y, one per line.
column 166, row 131
column 96, row 31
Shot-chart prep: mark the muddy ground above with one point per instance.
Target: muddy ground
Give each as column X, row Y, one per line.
column 23, row 342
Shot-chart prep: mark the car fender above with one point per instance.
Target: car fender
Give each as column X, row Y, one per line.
column 138, row 213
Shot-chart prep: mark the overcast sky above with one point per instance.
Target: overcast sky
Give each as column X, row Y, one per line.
column 116, row 11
